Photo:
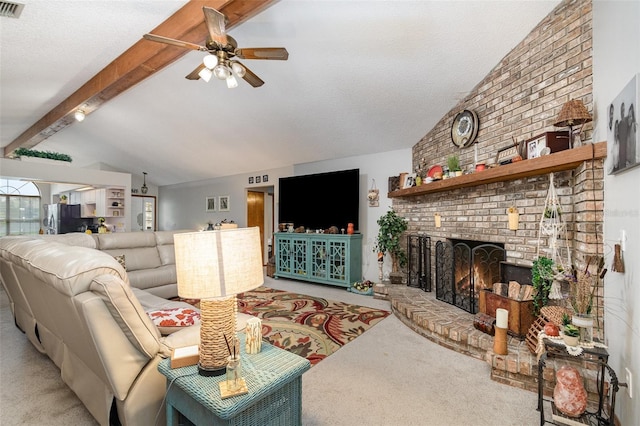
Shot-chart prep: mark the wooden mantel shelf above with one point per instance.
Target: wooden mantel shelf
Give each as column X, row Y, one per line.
column 556, row 162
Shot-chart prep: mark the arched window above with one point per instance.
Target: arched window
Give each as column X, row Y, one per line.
column 19, row 207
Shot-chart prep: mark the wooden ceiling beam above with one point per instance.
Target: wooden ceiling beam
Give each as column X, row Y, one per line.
column 137, row 63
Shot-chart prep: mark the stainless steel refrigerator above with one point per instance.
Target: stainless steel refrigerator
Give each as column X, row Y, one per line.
column 61, row 218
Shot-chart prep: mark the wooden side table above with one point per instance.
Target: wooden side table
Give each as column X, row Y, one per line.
column 274, row 380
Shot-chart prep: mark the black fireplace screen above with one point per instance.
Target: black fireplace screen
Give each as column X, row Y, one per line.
column 419, row 262
column 463, row 269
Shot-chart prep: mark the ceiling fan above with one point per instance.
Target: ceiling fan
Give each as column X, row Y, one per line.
column 223, row 49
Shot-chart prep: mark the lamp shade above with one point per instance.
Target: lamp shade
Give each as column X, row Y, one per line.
column 572, row 113
column 216, row 264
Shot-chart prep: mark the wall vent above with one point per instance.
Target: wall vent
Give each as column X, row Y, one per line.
column 10, row 9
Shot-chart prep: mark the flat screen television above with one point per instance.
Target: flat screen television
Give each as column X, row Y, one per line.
column 321, row 200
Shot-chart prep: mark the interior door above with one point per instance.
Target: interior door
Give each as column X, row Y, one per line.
column 255, row 214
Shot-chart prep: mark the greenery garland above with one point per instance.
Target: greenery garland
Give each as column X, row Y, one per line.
column 24, row 152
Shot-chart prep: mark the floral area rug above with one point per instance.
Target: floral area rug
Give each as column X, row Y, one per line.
column 311, row 327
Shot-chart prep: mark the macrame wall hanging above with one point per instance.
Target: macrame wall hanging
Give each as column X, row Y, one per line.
column 373, row 196
column 553, row 231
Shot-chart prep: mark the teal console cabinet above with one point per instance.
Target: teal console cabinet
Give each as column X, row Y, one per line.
column 334, row 259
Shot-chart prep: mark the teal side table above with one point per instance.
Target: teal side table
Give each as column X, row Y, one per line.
column 274, row 380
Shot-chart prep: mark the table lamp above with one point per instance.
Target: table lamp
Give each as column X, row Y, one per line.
column 214, row 266
column 573, row 113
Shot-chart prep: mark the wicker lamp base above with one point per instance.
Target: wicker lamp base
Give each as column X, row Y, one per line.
column 217, row 332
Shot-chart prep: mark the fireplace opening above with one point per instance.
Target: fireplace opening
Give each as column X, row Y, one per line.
column 464, row 268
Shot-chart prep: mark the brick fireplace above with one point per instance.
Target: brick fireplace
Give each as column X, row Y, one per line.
column 518, row 100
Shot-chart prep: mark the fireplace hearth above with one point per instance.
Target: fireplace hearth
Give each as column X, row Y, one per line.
column 464, row 268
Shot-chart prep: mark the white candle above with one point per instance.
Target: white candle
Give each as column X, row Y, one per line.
column 253, row 336
column 475, row 154
column 502, row 316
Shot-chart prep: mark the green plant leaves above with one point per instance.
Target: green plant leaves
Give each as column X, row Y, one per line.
column 24, row 152
column 542, row 279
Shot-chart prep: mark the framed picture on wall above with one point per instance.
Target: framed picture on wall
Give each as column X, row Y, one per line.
column 623, row 141
column 223, row 203
column 210, row 204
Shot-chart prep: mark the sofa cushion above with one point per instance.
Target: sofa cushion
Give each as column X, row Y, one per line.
column 128, row 313
column 169, row 320
column 138, row 258
column 79, row 239
column 138, row 247
column 124, row 240
column 44, row 258
column 72, row 239
column 149, row 278
column 164, row 242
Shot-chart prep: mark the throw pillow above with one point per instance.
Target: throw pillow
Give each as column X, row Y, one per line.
column 171, row 319
column 121, row 260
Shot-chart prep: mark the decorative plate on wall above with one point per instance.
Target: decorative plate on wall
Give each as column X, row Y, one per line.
column 464, row 129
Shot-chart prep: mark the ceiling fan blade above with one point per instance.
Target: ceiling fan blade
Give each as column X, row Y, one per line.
column 279, row 53
column 195, row 74
column 251, row 78
column 173, row 42
column 216, row 24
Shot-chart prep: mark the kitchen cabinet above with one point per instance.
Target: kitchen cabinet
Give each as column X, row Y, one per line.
column 75, row 197
column 114, row 202
column 89, row 197
column 103, row 202
column 334, row 259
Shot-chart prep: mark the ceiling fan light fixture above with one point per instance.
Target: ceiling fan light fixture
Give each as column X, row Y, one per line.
column 79, row 115
column 232, row 83
column 238, row 69
column 221, row 72
column 210, row 61
column 205, row 74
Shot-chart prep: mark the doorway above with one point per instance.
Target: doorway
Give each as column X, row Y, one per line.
column 143, row 213
column 260, row 213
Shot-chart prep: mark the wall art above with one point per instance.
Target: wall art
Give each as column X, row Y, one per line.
column 623, row 140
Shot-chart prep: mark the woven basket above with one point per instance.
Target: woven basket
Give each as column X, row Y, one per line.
column 554, row 314
column 547, row 314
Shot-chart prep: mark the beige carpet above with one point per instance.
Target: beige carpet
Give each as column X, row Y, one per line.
column 388, row 376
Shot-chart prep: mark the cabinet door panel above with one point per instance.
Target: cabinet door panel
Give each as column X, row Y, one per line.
column 338, row 260
column 299, row 256
column 319, row 259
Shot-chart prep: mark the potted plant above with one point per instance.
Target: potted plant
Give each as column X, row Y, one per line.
column 63, row 199
column 542, row 279
column 583, row 285
column 388, row 241
column 453, row 163
column 570, row 335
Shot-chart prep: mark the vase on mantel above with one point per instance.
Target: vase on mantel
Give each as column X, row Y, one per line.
column 584, row 322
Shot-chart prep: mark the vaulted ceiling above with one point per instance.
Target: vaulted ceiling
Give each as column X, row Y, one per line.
column 362, row 77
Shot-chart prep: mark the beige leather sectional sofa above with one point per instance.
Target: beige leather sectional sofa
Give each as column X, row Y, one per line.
column 79, row 306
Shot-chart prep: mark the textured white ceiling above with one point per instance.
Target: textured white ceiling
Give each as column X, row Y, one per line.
column 362, row 77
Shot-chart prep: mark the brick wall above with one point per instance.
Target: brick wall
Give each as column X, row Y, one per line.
column 519, row 99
